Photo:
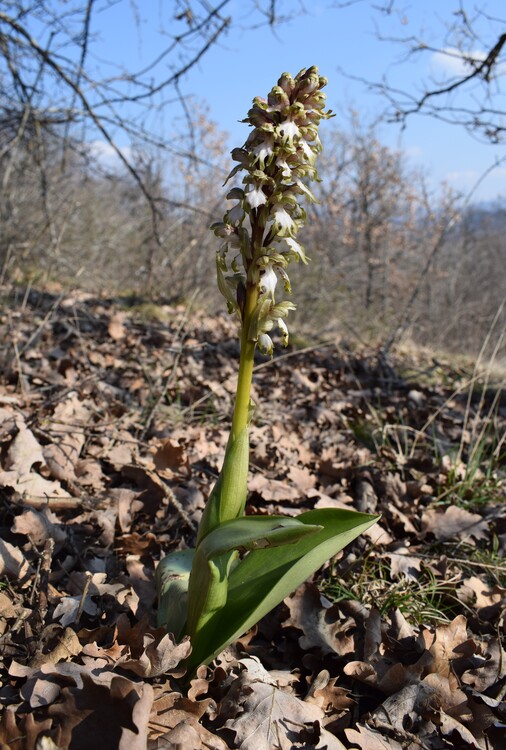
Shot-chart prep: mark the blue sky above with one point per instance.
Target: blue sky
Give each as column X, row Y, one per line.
column 248, row 62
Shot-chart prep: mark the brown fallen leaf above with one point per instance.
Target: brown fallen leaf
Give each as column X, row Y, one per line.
column 454, row 523
column 67, row 646
column 116, row 327
column 325, row 693
column 490, row 671
column 24, row 451
column 365, row 738
column 445, row 640
column 265, row 716
column 22, row 731
column 13, row 563
column 67, row 431
column 40, row 526
column 187, row 733
column 405, row 706
column 320, row 621
column 172, row 455
column 109, row 715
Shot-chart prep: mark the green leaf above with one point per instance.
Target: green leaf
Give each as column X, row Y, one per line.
column 254, row 532
column 266, row 576
column 228, row 498
column 172, row 580
column 218, row 552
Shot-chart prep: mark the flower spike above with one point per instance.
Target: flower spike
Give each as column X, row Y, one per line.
column 276, row 163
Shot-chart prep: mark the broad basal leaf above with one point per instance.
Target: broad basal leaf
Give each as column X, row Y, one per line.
column 265, row 576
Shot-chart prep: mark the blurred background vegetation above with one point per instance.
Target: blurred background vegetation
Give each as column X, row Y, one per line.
column 393, row 258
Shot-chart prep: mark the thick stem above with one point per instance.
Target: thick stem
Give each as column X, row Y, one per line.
column 242, row 401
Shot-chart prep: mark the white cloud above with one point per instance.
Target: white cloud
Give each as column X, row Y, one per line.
column 452, row 61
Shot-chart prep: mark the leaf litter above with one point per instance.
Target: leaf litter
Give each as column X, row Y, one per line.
column 112, row 429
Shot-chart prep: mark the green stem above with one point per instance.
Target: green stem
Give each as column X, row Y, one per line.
column 241, row 416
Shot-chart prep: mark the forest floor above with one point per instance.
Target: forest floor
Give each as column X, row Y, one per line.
column 113, row 424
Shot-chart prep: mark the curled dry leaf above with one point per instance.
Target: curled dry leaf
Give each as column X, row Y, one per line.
column 490, row 671
column 40, row 526
column 13, row 563
column 325, row 693
column 321, row 622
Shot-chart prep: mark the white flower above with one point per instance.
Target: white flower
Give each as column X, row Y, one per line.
column 283, row 222
column 268, row 281
column 283, row 166
column 308, row 151
column 256, row 197
column 288, row 130
column 265, row 344
column 263, row 151
column 284, row 330
column 296, row 248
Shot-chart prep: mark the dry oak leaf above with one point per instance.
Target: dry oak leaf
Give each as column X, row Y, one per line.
column 172, row 455
column 149, row 652
column 24, row 451
column 32, row 485
column 386, row 677
column 66, row 647
column 487, row 600
column 67, row 430
column 161, row 655
column 92, row 706
column 128, row 504
column 273, row 490
column 320, row 621
column 450, row 727
column 404, row 707
column 109, row 717
column 188, row 733
column 324, row 693
column 174, row 724
column 96, row 589
column 39, row 526
column 492, row 669
column 20, row 731
column 402, row 564
column 454, row 523
column 368, row 739
column 8, row 421
column 8, row 610
column 13, row 563
column 266, row 717
column 443, row 642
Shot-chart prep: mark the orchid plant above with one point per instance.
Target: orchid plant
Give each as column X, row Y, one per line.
column 243, row 566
